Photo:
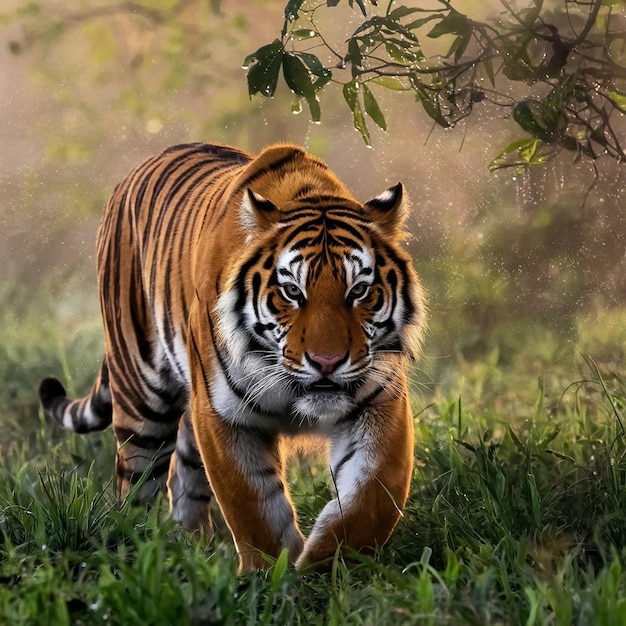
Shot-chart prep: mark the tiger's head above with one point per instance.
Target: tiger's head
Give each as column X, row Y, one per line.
column 324, row 305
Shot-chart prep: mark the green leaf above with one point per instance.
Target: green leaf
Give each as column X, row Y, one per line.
column 516, row 440
column 291, row 10
column 390, row 82
column 401, row 43
column 392, row 26
column 405, row 57
column 516, row 145
column 528, row 152
column 296, row 75
column 451, row 573
column 619, row 100
column 377, row 24
column 427, row 554
column 291, row 15
column 279, row 569
column 488, row 65
column 315, row 67
column 314, row 107
column 452, row 24
column 263, row 52
column 433, row 112
column 354, row 56
column 419, row 23
column 516, row 61
column 299, row 81
column 527, row 119
column 459, row 46
column 535, row 499
column 373, row 23
column 351, row 95
column 430, row 107
column 361, row 5
column 263, row 77
column 304, row 33
column 372, row 108
column 527, row 149
column 263, row 74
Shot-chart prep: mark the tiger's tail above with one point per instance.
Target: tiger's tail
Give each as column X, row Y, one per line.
column 93, row 412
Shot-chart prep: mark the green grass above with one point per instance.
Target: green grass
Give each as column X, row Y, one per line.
column 517, row 513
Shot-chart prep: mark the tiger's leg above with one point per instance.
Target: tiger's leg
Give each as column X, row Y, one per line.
column 372, row 463
column 245, row 469
column 245, row 466
column 145, row 425
column 187, row 484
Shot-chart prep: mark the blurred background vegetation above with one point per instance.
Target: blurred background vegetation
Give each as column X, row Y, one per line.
column 526, row 268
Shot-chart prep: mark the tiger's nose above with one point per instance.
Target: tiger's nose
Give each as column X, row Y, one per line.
column 326, row 363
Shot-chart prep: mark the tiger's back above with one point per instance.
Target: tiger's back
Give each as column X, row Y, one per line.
column 246, row 300
column 144, row 250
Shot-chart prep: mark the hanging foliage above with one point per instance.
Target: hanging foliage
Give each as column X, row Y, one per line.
column 557, row 69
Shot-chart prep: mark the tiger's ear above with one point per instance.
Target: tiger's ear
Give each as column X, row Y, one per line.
column 389, row 210
column 256, row 212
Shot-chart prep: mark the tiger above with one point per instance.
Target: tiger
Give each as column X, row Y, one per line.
column 249, row 303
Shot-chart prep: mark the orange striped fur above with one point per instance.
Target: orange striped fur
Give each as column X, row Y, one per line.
column 249, row 302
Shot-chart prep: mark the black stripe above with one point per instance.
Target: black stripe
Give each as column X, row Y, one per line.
column 138, row 317
column 333, row 225
column 199, row 497
column 350, row 214
column 154, row 472
column 316, row 199
column 276, row 165
column 360, row 407
column 380, row 301
column 243, row 272
column 193, row 461
column 205, row 377
column 256, row 293
column 218, row 150
column 395, row 345
column 342, row 462
column 129, row 401
column 147, row 442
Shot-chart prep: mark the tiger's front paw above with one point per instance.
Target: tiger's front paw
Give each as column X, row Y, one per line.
column 326, row 539
column 362, row 527
column 318, row 558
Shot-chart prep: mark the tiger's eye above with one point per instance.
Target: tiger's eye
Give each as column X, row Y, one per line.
column 293, row 292
column 358, row 291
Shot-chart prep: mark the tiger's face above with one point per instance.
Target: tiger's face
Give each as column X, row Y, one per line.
column 321, row 309
column 330, row 319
